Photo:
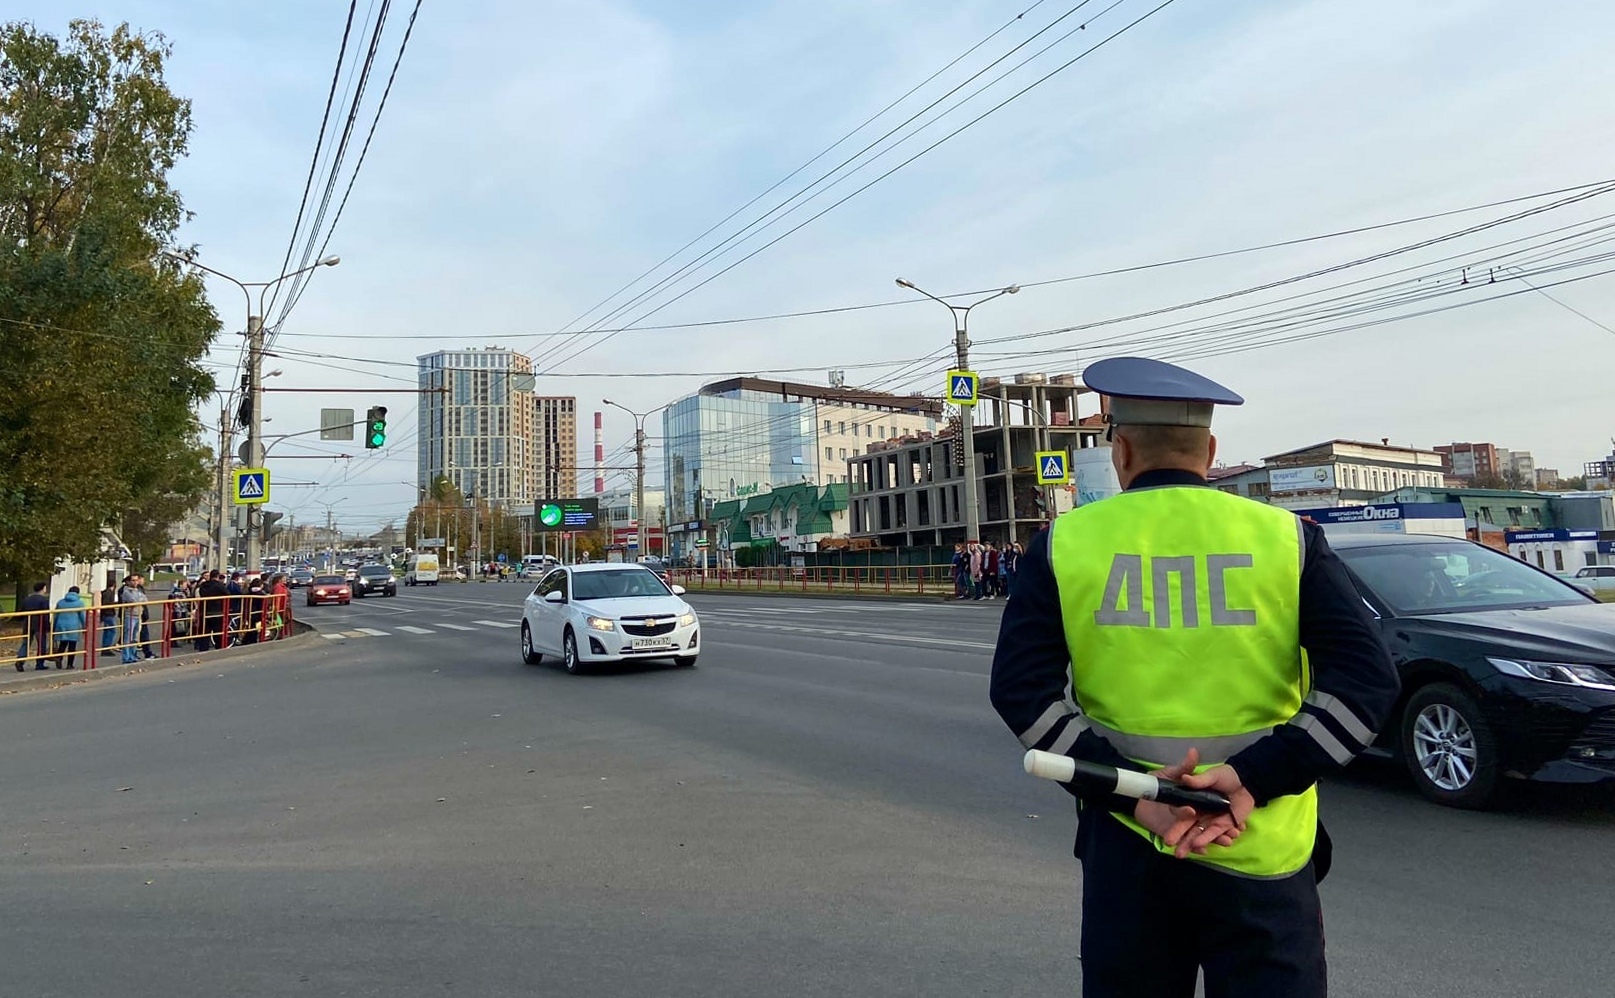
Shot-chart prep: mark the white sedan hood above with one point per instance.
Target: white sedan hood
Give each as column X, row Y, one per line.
column 633, row 606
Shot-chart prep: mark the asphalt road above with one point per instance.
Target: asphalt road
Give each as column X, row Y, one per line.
column 826, row 805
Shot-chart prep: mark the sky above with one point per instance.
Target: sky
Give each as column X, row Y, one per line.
column 535, row 157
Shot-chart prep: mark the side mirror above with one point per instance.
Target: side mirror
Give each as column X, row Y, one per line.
column 554, row 596
column 678, row 590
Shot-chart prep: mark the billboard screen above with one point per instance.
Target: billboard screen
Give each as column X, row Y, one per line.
column 1301, row 479
column 566, row 514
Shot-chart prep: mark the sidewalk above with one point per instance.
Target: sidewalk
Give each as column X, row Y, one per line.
column 12, row 681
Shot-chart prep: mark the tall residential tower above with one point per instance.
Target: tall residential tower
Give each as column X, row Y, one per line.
column 482, row 427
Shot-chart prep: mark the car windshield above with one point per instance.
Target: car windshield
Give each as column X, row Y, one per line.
column 329, row 580
column 375, row 570
column 614, row 584
column 1454, row 577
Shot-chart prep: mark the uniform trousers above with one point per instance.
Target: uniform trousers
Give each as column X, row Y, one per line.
column 1150, row 922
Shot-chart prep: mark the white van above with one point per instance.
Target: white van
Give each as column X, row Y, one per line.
column 534, row 565
column 422, row 570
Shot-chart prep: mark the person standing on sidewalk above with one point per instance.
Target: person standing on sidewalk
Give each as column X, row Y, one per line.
column 989, row 570
column 145, row 618
column 36, row 627
column 109, row 614
column 68, row 626
column 212, row 595
column 129, row 597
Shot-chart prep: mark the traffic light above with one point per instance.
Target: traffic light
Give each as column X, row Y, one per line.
column 375, row 434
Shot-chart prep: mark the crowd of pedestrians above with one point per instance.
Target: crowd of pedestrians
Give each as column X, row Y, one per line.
column 212, row 612
column 984, row 571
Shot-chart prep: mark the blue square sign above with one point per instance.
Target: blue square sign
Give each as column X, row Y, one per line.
column 963, row 387
column 251, row 486
column 1053, row 468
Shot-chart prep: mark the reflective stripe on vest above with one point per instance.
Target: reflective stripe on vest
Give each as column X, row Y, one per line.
column 1180, row 608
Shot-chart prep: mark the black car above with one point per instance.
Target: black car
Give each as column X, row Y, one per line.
column 373, row 579
column 1507, row 672
column 300, row 578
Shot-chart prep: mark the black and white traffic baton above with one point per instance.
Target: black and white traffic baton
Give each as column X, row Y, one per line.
column 1108, row 779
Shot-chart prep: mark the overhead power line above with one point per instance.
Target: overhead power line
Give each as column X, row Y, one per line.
column 950, row 135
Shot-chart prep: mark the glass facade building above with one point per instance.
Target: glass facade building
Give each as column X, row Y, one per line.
column 749, row 436
column 727, row 446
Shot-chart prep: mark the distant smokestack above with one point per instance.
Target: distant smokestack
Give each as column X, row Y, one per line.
column 599, row 456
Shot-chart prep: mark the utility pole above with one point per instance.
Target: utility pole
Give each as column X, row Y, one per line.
column 222, row 526
column 639, row 469
column 961, row 347
column 639, row 487
column 255, row 431
column 255, row 358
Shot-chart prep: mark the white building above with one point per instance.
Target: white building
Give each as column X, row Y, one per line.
column 1347, row 473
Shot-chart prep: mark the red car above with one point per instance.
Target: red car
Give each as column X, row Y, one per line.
column 329, row 589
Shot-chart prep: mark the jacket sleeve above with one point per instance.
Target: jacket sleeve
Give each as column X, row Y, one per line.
column 1354, row 683
column 1031, row 677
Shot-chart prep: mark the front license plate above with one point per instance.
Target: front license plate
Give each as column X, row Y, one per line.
column 642, row 644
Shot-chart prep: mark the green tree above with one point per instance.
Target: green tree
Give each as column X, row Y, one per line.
column 101, row 337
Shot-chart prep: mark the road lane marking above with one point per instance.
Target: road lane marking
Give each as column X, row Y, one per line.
column 452, row 627
column 333, row 637
column 838, row 633
column 371, row 631
column 415, row 630
column 495, row 623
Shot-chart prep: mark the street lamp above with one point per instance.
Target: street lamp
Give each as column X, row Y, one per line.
column 330, row 530
column 639, row 463
column 961, row 345
column 255, row 377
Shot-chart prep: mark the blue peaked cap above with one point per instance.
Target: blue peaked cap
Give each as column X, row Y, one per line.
column 1145, row 392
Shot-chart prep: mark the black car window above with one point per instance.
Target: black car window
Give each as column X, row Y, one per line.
column 1421, row 578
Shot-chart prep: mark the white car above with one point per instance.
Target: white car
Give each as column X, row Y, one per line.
column 586, row 614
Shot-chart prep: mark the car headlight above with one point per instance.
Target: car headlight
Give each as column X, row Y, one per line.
column 601, row 623
column 1564, row 673
column 688, row 620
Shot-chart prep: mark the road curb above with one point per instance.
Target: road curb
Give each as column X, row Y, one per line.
column 56, row 679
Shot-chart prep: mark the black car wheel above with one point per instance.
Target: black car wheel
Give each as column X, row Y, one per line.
column 530, row 655
column 1449, row 747
column 684, row 661
column 569, row 653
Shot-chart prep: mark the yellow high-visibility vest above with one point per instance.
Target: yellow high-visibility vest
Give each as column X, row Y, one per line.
column 1181, row 613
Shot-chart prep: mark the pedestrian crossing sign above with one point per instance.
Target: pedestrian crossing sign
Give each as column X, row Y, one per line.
column 1053, row 468
column 251, row 486
column 962, row 387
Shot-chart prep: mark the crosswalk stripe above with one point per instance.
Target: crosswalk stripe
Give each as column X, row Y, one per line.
column 371, row 631
column 333, row 637
column 495, row 623
column 415, row 630
column 452, row 627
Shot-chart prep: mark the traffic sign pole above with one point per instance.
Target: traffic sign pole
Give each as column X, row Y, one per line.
column 961, row 346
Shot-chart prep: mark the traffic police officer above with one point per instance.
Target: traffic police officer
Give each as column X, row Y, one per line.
column 1216, row 640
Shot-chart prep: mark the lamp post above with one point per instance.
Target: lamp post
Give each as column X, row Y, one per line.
column 255, row 410
column 639, row 465
column 330, row 532
column 961, row 345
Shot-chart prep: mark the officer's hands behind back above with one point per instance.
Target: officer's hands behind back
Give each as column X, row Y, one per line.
column 1187, row 830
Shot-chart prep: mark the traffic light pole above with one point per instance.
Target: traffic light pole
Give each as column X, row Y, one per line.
column 221, row 524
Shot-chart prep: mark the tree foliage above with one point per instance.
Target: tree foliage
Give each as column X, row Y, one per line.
column 100, row 337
